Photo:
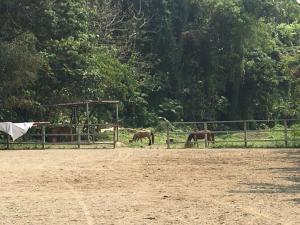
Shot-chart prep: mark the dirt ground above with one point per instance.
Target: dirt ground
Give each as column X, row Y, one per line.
column 150, row 186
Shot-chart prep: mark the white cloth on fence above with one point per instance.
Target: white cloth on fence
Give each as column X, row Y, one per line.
column 15, row 130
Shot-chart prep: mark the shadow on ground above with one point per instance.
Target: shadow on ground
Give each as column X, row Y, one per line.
column 291, row 174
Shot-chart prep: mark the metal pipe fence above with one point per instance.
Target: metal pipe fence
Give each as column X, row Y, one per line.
column 238, row 133
column 62, row 136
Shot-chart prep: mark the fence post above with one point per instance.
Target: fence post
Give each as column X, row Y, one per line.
column 245, row 134
column 43, row 136
column 117, row 118
column 7, row 141
column 88, row 122
column 78, row 136
column 115, row 136
column 88, row 133
column 168, row 135
column 205, row 130
column 93, row 135
column 117, row 132
column 294, row 138
column 285, row 134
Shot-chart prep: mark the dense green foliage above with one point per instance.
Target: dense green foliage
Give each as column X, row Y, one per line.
column 180, row 59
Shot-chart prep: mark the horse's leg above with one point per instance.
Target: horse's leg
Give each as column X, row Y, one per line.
column 133, row 139
column 149, row 140
column 208, row 140
column 196, row 141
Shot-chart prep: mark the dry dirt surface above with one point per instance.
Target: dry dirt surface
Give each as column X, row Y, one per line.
column 150, row 186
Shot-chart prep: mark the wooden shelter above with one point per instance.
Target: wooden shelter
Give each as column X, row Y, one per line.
column 76, row 105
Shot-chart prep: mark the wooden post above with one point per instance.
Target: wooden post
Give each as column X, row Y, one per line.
column 294, row 138
column 117, row 118
column 94, row 133
column 88, row 122
column 7, row 141
column 115, row 136
column 78, row 136
column 245, row 134
column 205, row 130
column 168, row 136
column 44, row 136
column 285, row 134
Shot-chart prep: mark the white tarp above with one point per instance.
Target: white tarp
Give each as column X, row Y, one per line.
column 15, row 130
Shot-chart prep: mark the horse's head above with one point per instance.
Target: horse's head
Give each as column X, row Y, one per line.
column 190, row 137
column 188, row 144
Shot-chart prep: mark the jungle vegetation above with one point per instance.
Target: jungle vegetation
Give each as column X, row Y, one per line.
column 184, row 60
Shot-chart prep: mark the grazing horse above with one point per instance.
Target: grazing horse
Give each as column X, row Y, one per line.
column 143, row 134
column 200, row 135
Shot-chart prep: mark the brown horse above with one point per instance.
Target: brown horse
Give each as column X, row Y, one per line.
column 143, row 134
column 59, row 134
column 200, row 135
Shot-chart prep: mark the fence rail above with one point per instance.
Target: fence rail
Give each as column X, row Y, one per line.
column 246, row 133
column 59, row 135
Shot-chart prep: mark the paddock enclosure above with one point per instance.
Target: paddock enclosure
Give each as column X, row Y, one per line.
column 238, row 133
column 227, row 134
column 150, row 186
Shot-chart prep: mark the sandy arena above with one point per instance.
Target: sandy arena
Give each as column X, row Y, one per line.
column 150, row 186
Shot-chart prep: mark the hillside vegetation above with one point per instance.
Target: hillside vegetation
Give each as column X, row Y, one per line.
column 188, row 60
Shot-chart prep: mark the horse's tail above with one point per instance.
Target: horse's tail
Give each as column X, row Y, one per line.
column 213, row 137
column 152, row 136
